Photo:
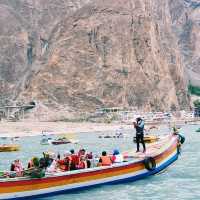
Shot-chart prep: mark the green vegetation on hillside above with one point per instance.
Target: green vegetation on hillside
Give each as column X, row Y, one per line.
column 194, row 90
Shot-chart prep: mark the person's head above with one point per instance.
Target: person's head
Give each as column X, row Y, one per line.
column 72, row 151
column 16, row 161
column 104, row 153
column 116, row 152
column 35, row 161
column 138, row 119
column 83, row 151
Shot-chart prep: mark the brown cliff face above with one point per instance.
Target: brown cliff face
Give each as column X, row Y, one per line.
column 101, row 53
column 185, row 20
column 26, row 28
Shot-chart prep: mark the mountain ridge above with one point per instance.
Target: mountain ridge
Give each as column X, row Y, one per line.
column 104, row 53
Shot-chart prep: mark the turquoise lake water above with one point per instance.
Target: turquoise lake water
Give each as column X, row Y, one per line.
column 180, row 181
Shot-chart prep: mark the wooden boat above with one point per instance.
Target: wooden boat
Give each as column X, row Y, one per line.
column 65, row 139
column 149, row 138
column 60, row 141
column 157, row 157
column 9, row 147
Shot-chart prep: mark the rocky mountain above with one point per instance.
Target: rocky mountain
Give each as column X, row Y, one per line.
column 186, row 25
column 77, row 55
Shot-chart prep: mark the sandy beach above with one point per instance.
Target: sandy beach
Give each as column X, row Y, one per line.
column 13, row 129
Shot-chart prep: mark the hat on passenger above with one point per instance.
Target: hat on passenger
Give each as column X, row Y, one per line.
column 138, row 119
column 72, row 151
column 116, row 152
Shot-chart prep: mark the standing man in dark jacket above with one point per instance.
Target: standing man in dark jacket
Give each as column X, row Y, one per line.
column 139, row 126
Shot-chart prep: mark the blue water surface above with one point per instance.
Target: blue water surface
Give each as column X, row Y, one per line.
column 180, row 181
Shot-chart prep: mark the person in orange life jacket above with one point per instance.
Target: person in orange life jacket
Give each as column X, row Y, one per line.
column 117, row 157
column 105, row 160
column 82, row 163
column 65, row 163
column 81, row 152
column 139, row 126
column 74, row 160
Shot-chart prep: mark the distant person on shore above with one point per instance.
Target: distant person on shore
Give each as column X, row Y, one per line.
column 139, row 126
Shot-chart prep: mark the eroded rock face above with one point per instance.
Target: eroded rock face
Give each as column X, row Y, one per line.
column 79, row 55
column 26, row 28
column 185, row 17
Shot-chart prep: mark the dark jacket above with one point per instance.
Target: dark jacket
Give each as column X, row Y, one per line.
column 140, row 127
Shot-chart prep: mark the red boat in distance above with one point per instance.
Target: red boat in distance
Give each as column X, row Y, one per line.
column 60, row 141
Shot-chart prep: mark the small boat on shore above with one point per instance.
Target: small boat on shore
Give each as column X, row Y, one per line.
column 149, row 138
column 60, row 141
column 9, row 147
column 65, row 139
column 140, row 165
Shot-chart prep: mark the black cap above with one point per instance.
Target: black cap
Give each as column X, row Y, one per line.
column 72, row 151
column 138, row 119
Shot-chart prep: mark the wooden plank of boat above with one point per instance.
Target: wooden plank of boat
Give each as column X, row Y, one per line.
column 8, row 148
column 163, row 154
column 60, row 142
column 149, row 138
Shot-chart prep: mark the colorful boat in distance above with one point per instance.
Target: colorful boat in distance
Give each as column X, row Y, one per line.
column 60, row 141
column 9, row 147
column 149, row 138
column 65, row 139
column 158, row 157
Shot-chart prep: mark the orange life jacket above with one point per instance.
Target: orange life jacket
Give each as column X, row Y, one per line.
column 105, row 160
column 65, row 163
column 82, row 165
